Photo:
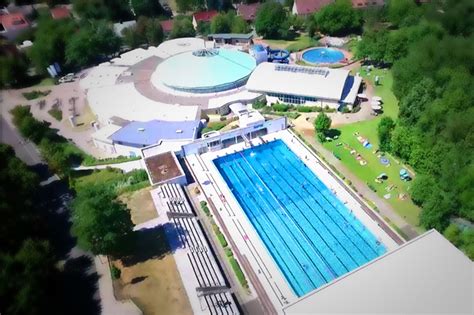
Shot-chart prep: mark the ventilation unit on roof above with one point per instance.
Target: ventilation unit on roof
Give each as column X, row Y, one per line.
column 141, row 129
column 179, row 131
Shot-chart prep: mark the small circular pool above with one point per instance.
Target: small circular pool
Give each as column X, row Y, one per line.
column 323, row 55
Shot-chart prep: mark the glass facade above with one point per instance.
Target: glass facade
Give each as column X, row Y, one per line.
column 293, row 99
column 211, row 89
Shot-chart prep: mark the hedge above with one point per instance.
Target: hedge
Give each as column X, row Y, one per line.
column 228, row 252
column 238, row 272
column 35, row 94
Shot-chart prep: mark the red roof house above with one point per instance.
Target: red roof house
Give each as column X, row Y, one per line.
column 203, row 16
column 306, row 7
column 11, row 25
column 248, row 11
column 167, row 26
column 367, row 3
column 60, row 13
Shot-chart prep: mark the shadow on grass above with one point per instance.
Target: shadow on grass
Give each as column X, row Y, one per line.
column 331, row 133
column 146, row 244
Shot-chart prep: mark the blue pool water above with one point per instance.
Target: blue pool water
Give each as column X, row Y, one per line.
column 323, row 55
column 310, row 233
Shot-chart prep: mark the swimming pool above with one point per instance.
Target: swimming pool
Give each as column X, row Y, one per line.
column 323, row 55
column 312, row 236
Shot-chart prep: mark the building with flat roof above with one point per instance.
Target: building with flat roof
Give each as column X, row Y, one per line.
column 231, row 39
column 128, row 138
column 427, row 275
column 302, row 85
column 164, row 168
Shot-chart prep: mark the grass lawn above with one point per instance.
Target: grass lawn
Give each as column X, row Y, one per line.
column 45, row 82
column 368, row 130
column 299, row 43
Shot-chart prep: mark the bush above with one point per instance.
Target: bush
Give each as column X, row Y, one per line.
column 228, row 252
column 203, row 203
column 238, row 272
column 292, row 115
column 115, row 272
column 259, row 104
column 280, row 107
column 372, row 187
column 35, row 94
column 308, row 109
column 206, row 210
column 219, row 235
column 56, row 113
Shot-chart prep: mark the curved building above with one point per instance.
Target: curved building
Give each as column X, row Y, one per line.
column 204, row 71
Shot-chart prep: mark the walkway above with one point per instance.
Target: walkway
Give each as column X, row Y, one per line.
column 385, row 209
column 125, row 166
column 110, row 306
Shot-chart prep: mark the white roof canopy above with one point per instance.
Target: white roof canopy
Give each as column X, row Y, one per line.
column 321, row 83
column 427, row 275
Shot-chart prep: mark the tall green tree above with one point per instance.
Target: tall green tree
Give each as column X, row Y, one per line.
column 27, row 278
column 90, row 42
column 182, row 28
column 271, row 20
column 338, row 18
column 322, row 123
column 101, row 223
column 51, row 39
column 384, row 132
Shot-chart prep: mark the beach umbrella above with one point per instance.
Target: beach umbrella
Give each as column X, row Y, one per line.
column 375, row 103
column 376, row 107
column 362, row 95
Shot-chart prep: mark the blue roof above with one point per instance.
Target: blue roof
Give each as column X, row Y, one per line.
column 138, row 133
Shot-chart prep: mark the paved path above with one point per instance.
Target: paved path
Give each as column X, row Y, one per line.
column 110, row 306
column 385, row 209
column 125, row 166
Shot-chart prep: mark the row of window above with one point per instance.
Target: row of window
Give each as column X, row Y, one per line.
column 293, row 99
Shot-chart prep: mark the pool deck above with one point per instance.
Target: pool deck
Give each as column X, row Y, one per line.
column 267, row 281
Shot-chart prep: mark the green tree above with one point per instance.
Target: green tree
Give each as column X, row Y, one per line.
column 203, row 28
column 12, row 70
column 101, row 223
column 271, row 20
column 453, row 234
column 221, row 23
column 322, row 123
column 90, row 9
column 150, row 8
column 403, row 12
column 26, row 279
column 338, row 18
column 90, row 42
column 384, row 132
column 182, row 28
column 52, row 37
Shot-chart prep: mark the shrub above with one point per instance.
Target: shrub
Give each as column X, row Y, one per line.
column 92, row 161
column 56, row 113
column 206, row 210
column 222, row 118
column 219, row 235
column 292, row 115
column 35, row 94
column 115, row 272
column 280, row 107
column 238, row 272
column 203, row 203
column 259, row 104
column 372, row 187
column 307, row 109
column 228, row 252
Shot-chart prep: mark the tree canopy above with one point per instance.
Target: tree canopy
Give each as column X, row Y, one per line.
column 338, row 19
column 271, row 20
column 433, row 68
column 182, row 27
column 147, row 31
column 229, row 23
column 322, row 123
column 90, row 42
column 101, row 223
